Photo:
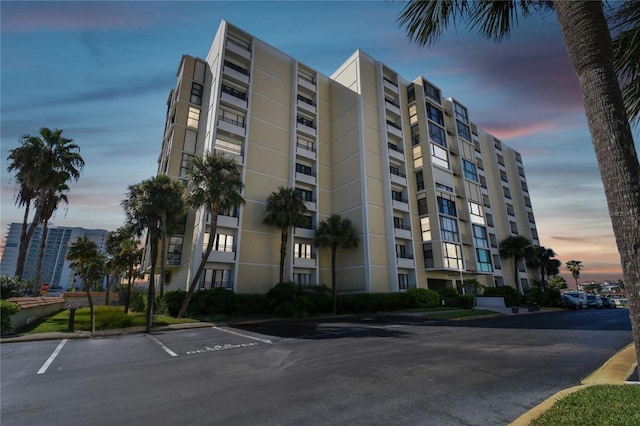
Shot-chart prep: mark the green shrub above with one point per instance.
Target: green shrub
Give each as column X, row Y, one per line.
column 447, row 292
column 212, row 301
column 512, row 297
column 466, row 301
column 137, row 301
column 9, row 287
column 283, row 301
column 451, row 301
column 173, row 301
column 317, row 300
column 250, row 304
column 111, row 318
column 6, row 310
column 423, row 298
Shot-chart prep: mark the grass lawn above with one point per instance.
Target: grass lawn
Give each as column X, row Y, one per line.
column 107, row 317
column 595, row 406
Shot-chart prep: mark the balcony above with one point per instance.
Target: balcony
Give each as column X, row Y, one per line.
column 307, row 83
column 390, row 85
column 300, row 262
column 306, row 150
column 395, row 151
column 236, row 72
column 310, row 205
column 401, row 205
column 306, row 126
column 231, row 125
column 398, row 177
column 392, row 107
column 234, row 97
column 306, row 178
column 304, row 233
column 223, row 256
column 306, row 104
column 406, row 262
column 394, row 129
column 239, row 49
column 227, row 221
column 404, row 232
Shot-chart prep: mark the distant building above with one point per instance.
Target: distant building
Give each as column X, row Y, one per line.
column 55, row 267
column 430, row 193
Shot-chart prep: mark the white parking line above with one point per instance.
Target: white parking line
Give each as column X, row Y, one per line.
column 52, row 357
column 244, row 335
column 159, row 343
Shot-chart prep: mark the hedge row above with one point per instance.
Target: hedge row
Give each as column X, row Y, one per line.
column 287, row 300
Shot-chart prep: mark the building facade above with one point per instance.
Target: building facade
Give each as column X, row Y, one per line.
column 55, row 266
column 429, row 193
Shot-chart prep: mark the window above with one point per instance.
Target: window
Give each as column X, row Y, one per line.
column 437, row 135
column 476, row 211
column 461, row 112
column 469, row 170
column 484, row 260
column 489, row 220
column 480, row 236
column 302, row 280
column 307, row 222
column 449, row 229
column 427, row 252
column 413, row 114
column 417, row 157
column 510, row 210
column 302, row 251
column 394, row 170
column 216, row 278
column 196, row 93
column 431, row 91
column 513, row 227
column 230, row 90
column 174, row 253
column 306, row 144
column 398, row 222
column 452, row 256
column 422, row 206
column 397, row 196
column 506, row 192
column 235, row 67
column 222, row 242
column 231, row 117
column 439, row 156
column 228, row 147
column 419, row 181
column 304, row 169
column 444, row 187
column 415, row 135
column 305, row 121
column 435, row 114
column 411, row 93
column 463, row 130
column 401, row 251
column 446, row 206
column 503, row 176
column 403, row 281
column 185, row 164
column 193, row 117
column 305, row 194
column 425, row 228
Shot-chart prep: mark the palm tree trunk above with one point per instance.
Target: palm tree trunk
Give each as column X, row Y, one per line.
column 151, row 292
column 588, row 42
column 516, row 267
column 43, row 244
column 128, row 301
column 25, row 239
column 334, row 250
column 283, row 250
column 163, row 255
column 87, row 288
column 194, row 282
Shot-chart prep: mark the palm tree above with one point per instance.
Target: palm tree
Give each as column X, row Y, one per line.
column 143, row 207
column 215, row 184
column 589, row 45
column 129, row 256
column 38, row 163
column 335, row 232
column 49, row 205
column 626, row 47
column 516, row 247
column 285, row 208
column 173, row 208
column 89, row 264
column 543, row 259
column 575, row 266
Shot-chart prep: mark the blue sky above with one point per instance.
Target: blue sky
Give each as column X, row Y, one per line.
column 102, row 71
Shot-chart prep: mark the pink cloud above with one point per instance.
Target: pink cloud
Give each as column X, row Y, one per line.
column 507, row 130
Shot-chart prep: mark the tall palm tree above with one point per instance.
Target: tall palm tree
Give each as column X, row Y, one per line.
column 575, row 266
column 543, row 259
column 38, row 163
column 46, row 207
column 516, row 247
column 215, row 184
column 285, row 208
column 89, row 264
column 129, row 255
column 336, row 232
column 142, row 207
column 173, row 208
column 626, row 47
column 589, row 45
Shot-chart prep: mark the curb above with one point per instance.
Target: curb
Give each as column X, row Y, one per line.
column 613, row 372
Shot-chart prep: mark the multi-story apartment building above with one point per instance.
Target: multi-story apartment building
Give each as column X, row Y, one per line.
column 430, row 194
column 55, row 267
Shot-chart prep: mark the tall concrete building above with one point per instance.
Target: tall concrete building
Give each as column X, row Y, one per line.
column 429, row 193
column 55, row 267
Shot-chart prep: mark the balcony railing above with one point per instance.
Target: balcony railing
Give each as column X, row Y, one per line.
column 234, row 92
column 308, row 147
column 397, row 173
column 392, row 124
column 235, row 121
column 395, row 147
column 237, row 68
column 306, row 100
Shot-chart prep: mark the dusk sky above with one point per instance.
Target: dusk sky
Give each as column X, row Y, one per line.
column 102, row 71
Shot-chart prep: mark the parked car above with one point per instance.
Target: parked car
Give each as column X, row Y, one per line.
column 607, row 302
column 575, row 299
column 594, row 301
